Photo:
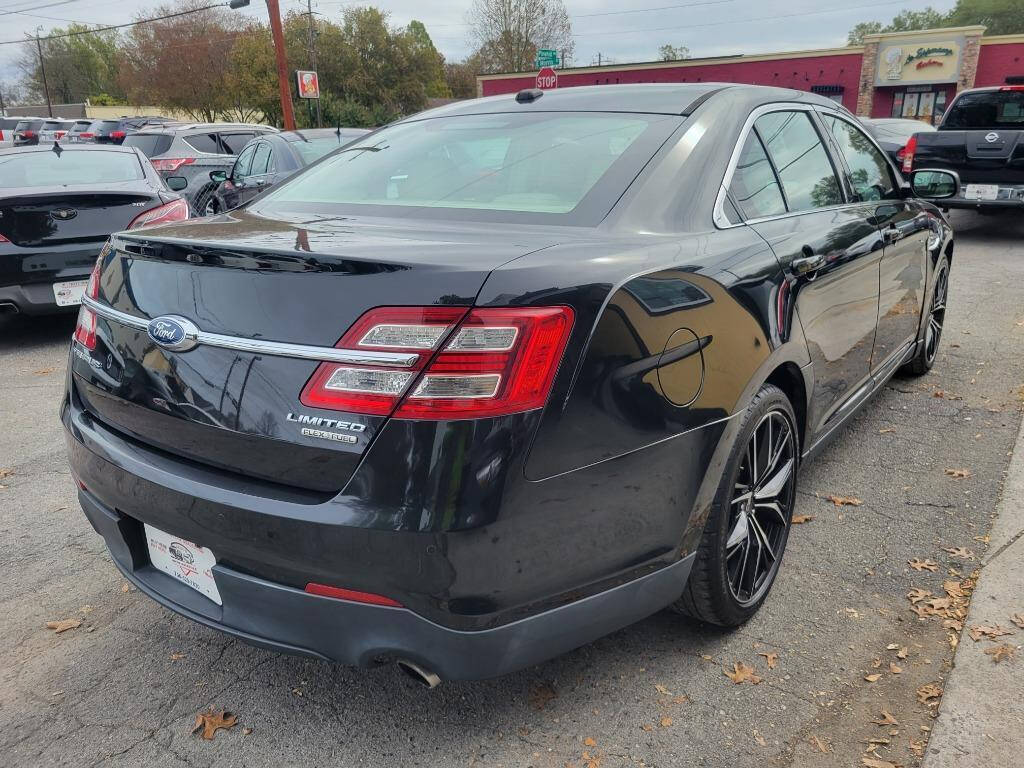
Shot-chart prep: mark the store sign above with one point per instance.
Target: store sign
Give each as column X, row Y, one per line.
column 309, row 84
column 919, row 62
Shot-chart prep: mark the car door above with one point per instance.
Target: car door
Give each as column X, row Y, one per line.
column 234, row 189
column 789, row 191
column 905, row 230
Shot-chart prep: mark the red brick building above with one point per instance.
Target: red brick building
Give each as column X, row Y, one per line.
column 903, row 74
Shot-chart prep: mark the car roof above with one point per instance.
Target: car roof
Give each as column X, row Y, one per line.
column 321, row 133
column 649, row 98
column 182, row 127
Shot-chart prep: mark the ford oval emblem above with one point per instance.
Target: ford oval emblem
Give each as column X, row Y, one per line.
column 992, row 138
column 174, row 333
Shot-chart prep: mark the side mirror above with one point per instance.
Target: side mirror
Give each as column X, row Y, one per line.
column 218, row 176
column 176, row 183
column 934, row 184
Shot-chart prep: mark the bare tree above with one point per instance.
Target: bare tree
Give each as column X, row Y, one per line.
column 508, row 33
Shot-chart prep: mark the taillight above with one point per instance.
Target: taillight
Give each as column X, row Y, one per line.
column 908, row 154
column 1012, row 88
column 28, row 134
column 86, row 135
column 491, row 362
column 85, row 329
column 172, row 163
column 117, row 134
column 176, row 210
column 3, row 239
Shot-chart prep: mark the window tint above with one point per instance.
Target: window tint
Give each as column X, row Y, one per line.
column 754, row 187
column 804, row 168
column 150, row 144
column 261, row 159
column 29, row 125
column 243, row 163
column 205, row 142
column 986, row 109
column 43, row 169
column 870, row 176
column 8, row 123
column 236, row 141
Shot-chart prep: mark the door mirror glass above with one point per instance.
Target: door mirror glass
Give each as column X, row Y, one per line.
column 933, row 185
column 177, row 183
column 218, row 176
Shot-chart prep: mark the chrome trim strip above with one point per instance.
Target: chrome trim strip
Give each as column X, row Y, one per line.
column 261, row 347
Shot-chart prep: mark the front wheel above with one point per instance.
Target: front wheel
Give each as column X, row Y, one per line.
column 745, row 536
column 923, row 361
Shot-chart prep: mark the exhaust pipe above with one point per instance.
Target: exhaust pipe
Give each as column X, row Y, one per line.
column 8, row 308
column 419, row 674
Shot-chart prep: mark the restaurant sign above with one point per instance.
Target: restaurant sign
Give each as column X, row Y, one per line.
column 903, row 62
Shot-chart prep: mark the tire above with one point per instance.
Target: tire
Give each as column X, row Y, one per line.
column 923, row 361
column 739, row 522
column 211, row 208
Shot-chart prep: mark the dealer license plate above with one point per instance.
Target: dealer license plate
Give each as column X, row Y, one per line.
column 185, row 561
column 981, row 191
column 70, row 293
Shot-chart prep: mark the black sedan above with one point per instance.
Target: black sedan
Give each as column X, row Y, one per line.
column 505, row 376
column 892, row 134
column 271, row 158
column 58, row 205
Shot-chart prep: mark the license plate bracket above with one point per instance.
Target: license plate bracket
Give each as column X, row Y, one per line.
column 183, row 560
column 69, row 293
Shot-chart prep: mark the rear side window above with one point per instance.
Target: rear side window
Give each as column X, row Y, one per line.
column 870, row 176
column 800, row 159
column 236, row 141
column 150, row 144
column 205, row 142
column 754, row 187
column 44, row 169
column 991, row 109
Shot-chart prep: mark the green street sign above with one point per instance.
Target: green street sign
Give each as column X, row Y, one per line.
column 547, row 58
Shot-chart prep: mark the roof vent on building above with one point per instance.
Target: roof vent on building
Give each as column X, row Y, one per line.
column 528, row 95
column 826, row 90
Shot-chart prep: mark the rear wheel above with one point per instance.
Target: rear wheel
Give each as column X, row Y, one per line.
column 925, row 357
column 745, row 536
column 211, row 208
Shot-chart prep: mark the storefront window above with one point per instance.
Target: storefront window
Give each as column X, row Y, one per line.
column 925, row 105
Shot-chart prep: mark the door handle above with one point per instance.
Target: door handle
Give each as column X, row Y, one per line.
column 809, row 262
column 892, row 234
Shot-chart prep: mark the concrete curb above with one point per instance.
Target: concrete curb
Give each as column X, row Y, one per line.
column 981, row 719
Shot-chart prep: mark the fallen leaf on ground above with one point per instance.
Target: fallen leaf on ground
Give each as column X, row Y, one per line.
column 1000, row 652
column 953, row 624
column 801, row 519
column 647, row 727
column 540, row 694
column 886, row 719
column 64, row 625
column 958, row 473
column 929, row 694
column 887, row 429
column 666, row 722
column 211, row 722
column 819, row 744
column 902, row 653
column 177, row 656
column 246, row 731
column 741, row 673
column 917, row 594
column 979, row 631
column 844, row 501
column 662, row 689
column 954, row 589
column 589, row 742
column 923, row 565
column 6, row 473
column 917, row 747
column 1018, row 619
column 962, row 552
column 760, row 739
column 43, row 372
column 938, row 393
column 127, row 587
column 873, row 677
column 875, row 762
column 876, row 663
column 771, row 658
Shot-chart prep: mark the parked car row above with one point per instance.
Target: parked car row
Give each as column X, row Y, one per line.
column 29, row 131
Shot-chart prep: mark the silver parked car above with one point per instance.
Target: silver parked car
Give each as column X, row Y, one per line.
column 7, row 126
column 54, row 129
column 193, row 150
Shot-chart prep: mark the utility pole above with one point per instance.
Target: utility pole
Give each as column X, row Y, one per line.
column 312, row 52
column 42, row 71
column 274, row 11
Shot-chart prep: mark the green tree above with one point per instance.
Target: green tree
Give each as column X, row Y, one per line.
column 461, row 76
column 905, row 21
column 1000, row 17
column 426, row 59
column 83, row 66
column 669, row 52
column 507, row 33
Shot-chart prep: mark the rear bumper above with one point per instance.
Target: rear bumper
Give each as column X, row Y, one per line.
column 35, row 298
column 960, row 202
column 27, row 275
column 288, row 620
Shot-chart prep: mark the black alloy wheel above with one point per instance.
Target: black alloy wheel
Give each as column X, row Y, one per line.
column 741, row 549
column 923, row 361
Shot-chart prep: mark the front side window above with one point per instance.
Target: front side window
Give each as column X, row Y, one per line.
column 243, row 164
column 870, row 175
column 539, row 163
column 803, row 166
column 754, row 187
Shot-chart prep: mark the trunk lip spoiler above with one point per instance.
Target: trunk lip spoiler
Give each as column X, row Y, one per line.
column 259, row 346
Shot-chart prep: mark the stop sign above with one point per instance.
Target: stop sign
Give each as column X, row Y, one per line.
column 547, row 78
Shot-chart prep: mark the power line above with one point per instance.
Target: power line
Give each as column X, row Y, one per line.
column 38, row 7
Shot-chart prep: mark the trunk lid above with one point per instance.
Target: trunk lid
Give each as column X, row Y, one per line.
column 983, row 156
column 31, row 218
column 302, row 280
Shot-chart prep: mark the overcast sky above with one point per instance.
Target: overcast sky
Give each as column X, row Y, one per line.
column 706, row 27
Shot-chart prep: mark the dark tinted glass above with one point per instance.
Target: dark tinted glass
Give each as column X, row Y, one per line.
column 804, row 168
column 991, row 109
column 870, row 176
column 236, row 141
column 205, row 142
column 754, row 186
column 244, row 163
column 106, row 125
column 43, row 169
column 150, row 144
column 8, row 123
column 29, row 125
column 261, row 159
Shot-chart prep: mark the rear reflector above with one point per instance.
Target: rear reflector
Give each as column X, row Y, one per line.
column 351, row 595
column 470, row 364
column 908, row 154
column 171, row 163
column 176, row 210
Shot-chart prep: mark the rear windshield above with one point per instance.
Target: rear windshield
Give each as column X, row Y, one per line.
column 987, row 109
column 105, row 125
column 898, row 130
column 571, row 166
column 7, row 123
column 45, row 169
column 150, row 144
column 29, row 125
column 81, row 125
column 53, row 125
column 313, row 149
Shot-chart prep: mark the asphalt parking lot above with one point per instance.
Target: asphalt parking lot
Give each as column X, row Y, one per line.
column 124, row 687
